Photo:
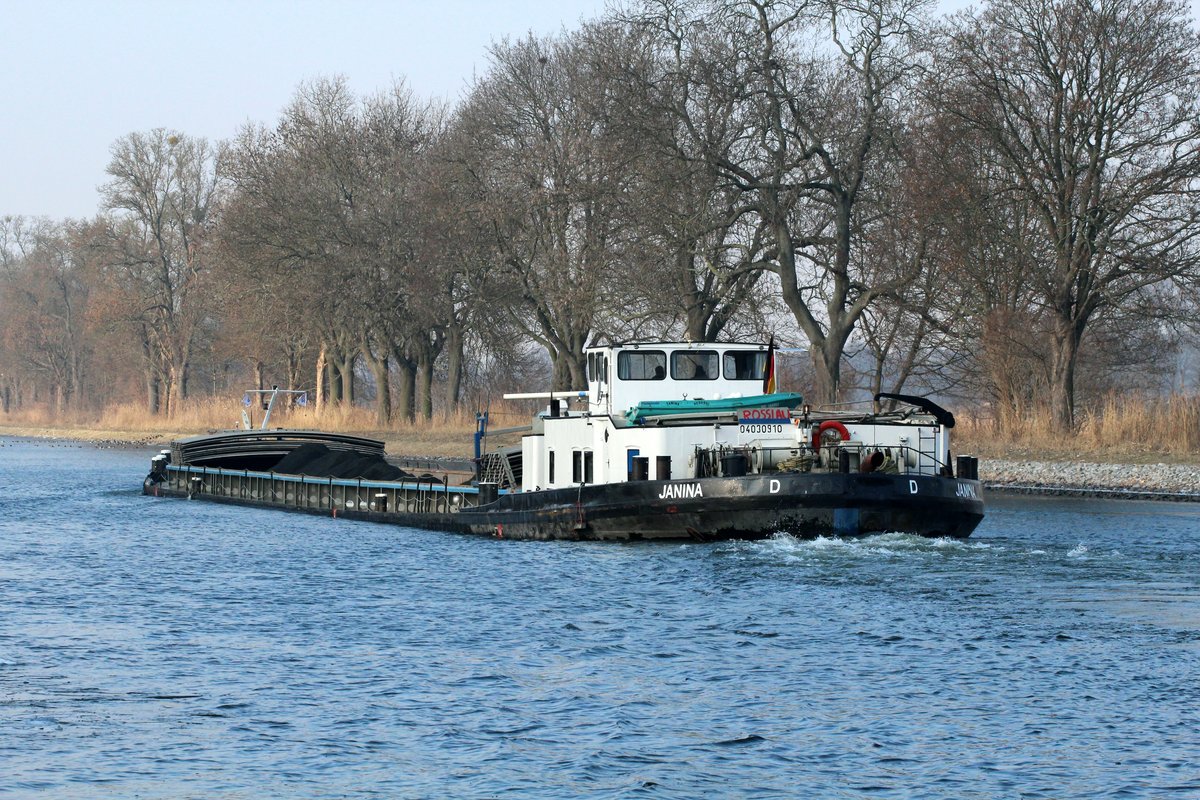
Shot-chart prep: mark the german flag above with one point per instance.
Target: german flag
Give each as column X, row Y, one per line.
column 769, row 374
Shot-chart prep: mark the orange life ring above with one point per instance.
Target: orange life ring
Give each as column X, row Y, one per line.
column 829, row 425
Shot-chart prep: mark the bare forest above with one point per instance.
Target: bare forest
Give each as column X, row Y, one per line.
column 999, row 207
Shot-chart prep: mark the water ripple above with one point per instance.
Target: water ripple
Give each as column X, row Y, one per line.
column 167, row 649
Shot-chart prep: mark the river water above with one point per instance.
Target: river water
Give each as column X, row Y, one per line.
column 160, row 648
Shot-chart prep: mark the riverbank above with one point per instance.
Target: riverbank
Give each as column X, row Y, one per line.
column 1018, row 472
column 1087, row 479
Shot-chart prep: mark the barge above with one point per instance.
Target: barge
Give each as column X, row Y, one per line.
column 668, row 441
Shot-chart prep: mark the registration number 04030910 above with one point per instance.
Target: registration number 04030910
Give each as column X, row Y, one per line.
column 761, row 428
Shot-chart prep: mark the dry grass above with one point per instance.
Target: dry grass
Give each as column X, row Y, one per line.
column 444, row 435
column 197, row 415
column 1126, row 429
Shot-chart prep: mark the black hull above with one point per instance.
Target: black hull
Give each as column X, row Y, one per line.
column 709, row 509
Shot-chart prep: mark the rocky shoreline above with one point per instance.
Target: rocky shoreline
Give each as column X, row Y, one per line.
column 1179, row 482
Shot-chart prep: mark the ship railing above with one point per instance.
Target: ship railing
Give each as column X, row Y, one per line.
column 888, row 458
column 423, row 495
column 896, row 459
column 846, row 456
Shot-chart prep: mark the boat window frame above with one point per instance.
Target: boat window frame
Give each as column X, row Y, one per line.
column 623, row 366
column 760, row 359
column 709, row 374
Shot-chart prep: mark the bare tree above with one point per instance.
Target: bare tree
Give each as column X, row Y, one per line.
column 816, row 122
column 407, row 246
column 297, row 195
column 332, row 198
column 263, row 320
column 162, row 187
column 546, row 183
column 1092, row 108
column 990, row 253
column 44, row 298
column 691, row 234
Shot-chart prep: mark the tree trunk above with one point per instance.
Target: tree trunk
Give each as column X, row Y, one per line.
column 696, row 320
column 176, row 381
column 577, row 364
column 578, row 374
column 343, row 364
column 425, row 386
column 178, row 363
column 294, row 370
column 454, row 367
column 76, row 382
column 1062, row 379
column 827, row 365
column 334, row 380
column 560, row 380
column 320, row 387
column 406, row 383
column 696, row 327
column 153, row 382
column 383, row 389
column 827, row 374
column 153, row 392
column 185, row 377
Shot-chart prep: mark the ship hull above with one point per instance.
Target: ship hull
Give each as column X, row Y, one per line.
column 709, row 509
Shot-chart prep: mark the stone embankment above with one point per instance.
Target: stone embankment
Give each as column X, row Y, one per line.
column 1143, row 481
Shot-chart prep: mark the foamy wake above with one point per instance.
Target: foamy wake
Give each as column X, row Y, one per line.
column 782, row 546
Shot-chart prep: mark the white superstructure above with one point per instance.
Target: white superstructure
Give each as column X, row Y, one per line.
column 612, row 433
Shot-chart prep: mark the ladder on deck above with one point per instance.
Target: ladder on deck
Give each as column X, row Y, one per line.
column 502, row 468
column 927, row 459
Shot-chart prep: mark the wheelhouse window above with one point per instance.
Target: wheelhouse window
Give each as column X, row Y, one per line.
column 597, row 367
column 746, row 365
column 694, row 365
column 642, row 365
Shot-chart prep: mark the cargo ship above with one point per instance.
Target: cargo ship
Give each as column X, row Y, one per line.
column 668, row 441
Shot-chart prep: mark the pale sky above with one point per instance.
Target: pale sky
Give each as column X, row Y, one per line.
column 75, row 75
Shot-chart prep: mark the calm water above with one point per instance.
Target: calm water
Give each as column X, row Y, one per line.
column 162, row 648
